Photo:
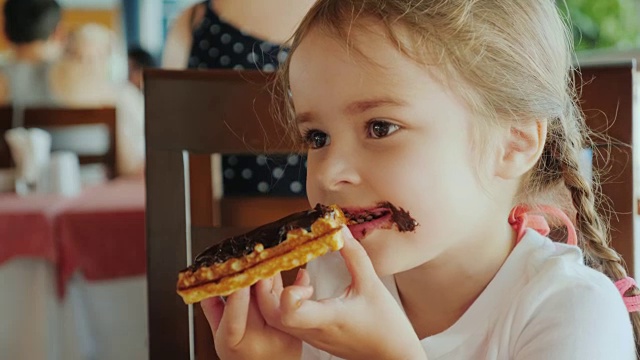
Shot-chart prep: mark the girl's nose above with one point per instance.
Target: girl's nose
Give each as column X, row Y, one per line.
column 334, row 169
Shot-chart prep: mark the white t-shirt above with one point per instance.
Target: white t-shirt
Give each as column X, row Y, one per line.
column 543, row 303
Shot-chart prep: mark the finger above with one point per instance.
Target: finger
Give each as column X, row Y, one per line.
column 293, row 296
column 254, row 318
column 357, row 261
column 268, row 300
column 277, row 284
column 213, row 309
column 234, row 318
column 299, row 312
column 302, row 279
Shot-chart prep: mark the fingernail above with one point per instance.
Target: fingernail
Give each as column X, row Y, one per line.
column 297, row 299
column 299, row 275
column 301, row 293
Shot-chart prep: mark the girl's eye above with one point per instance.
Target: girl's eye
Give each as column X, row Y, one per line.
column 379, row 128
column 316, row 139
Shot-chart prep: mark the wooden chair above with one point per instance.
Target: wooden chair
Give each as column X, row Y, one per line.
column 65, row 119
column 607, row 99
column 190, row 115
column 6, row 116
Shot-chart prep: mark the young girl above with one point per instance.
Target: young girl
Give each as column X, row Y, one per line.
column 462, row 113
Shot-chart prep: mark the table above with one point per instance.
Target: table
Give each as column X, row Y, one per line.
column 102, row 264
column 102, row 232
column 74, row 270
column 27, row 226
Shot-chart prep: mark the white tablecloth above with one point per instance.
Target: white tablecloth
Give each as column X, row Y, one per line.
column 102, row 320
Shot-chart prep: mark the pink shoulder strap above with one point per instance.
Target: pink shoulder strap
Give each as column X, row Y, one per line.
column 522, row 217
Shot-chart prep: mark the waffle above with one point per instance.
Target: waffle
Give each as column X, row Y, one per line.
column 243, row 260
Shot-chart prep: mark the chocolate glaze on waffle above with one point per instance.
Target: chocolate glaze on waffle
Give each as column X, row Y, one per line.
column 269, row 235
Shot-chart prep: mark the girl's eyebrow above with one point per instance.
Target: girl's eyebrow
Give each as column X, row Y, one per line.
column 360, row 106
column 357, row 107
column 303, row 118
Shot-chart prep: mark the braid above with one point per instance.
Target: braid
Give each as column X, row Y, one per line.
column 592, row 229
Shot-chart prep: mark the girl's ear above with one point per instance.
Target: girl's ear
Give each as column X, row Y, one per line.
column 520, row 149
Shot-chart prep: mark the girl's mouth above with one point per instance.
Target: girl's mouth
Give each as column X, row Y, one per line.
column 363, row 221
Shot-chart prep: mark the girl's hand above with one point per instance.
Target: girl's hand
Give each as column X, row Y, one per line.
column 365, row 322
column 240, row 331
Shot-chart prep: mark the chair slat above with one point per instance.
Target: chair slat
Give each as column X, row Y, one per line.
column 60, row 118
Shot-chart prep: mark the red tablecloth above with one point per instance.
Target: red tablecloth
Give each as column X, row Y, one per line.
column 102, row 232
column 27, row 226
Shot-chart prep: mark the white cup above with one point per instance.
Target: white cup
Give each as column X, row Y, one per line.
column 30, row 150
column 64, row 174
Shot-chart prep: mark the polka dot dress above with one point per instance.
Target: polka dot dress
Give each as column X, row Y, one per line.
column 282, row 175
column 219, row 45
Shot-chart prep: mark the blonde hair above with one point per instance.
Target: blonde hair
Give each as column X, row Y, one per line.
column 515, row 58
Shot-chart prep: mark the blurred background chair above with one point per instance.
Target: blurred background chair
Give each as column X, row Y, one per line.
column 90, row 133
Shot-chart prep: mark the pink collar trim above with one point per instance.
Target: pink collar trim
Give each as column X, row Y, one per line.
column 522, row 217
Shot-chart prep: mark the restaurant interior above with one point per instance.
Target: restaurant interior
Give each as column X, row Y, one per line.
column 130, row 143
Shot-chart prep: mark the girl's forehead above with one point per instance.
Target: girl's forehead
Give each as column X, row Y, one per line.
column 329, row 80
column 367, row 51
column 366, row 62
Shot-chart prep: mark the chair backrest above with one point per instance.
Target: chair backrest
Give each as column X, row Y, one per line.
column 89, row 132
column 607, row 96
column 6, row 117
column 189, row 116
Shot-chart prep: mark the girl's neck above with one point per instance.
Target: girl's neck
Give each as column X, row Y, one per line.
column 436, row 294
column 273, row 20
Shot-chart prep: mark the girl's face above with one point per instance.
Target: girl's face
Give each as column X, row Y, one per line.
column 383, row 129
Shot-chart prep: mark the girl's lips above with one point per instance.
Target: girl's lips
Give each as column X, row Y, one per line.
column 362, row 221
column 359, row 231
column 358, row 211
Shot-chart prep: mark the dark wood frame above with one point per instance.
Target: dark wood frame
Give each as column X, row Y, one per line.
column 62, row 117
column 607, row 94
column 191, row 113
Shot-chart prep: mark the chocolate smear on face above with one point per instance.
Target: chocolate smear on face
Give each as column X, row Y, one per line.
column 400, row 217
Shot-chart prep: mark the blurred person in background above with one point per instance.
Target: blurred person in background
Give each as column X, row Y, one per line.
column 82, row 78
column 242, row 34
column 35, row 39
column 233, row 34
column 139, row 59
column 82, row 75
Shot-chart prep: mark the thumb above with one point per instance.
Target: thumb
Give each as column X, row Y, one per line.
column 299, row 312
column 357, row 261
